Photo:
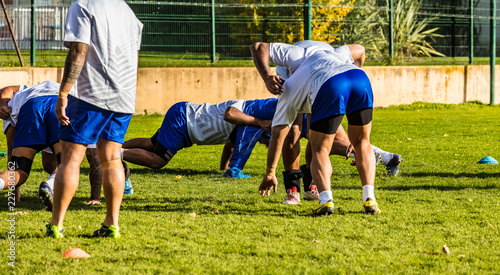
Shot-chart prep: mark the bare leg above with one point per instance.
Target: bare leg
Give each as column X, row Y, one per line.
column 20, row 176
column 291, row 149
column 321, row 167
column 139, row 143
column 95, row 176
column 67, row 179
column 143, row 158
column 49, row 162
column 113, row 179
column 365, row 159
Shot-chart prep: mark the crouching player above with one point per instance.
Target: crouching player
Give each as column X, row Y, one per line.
column 32, row 112
column 327, row 88
column 186, row 124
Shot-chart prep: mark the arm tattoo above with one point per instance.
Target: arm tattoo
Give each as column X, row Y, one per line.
column 74, row 62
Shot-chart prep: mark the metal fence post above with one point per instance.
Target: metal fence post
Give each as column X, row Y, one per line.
column 471, row 45
column 493, row 46
column 212, row 45
column 33, row 32
column 307, row 19
column 391, row 29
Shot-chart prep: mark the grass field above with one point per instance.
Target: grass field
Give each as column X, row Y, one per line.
column 441, row 197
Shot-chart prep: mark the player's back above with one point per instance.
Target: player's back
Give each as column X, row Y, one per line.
column 206, row 124
column 25, row 93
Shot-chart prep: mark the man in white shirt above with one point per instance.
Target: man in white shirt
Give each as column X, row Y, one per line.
column 326, row 85
column 349, row 54
column 103, row 37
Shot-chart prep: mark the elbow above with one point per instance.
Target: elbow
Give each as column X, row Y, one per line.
column 255, row 46
column 258, row 47
column 228, row 114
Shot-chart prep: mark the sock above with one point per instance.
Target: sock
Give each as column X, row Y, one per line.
column 325, row 196
column 307, row 178
column 2, row 184
column 50, row 180
column 368, row 192
column 386, row 157
column 291, row 179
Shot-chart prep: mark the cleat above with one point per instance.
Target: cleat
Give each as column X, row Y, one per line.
column 323, row 209
column 55, row 231
column 128, row 188
column 371, row 207
column 393, row 165
column 293, row 197
column 312, row 195
column 45, row 194
column 111, row 231
column 378, row 159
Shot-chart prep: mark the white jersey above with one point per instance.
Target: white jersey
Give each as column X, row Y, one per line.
column 26, row 93
column 311, row 69
column 109, row 76
column 206, row 124
column 278, row 49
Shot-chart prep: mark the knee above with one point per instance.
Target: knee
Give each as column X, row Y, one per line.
column 157, row 164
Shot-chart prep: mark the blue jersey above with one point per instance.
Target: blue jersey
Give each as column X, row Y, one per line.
column 261, row 108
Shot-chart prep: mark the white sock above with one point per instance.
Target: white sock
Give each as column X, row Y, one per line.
column 386, row 157
column 368, row 192
column 50, row 180
column 2, row 184
column 325, row 196
column 121, row 153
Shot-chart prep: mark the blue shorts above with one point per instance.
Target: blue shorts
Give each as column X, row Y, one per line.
column 173, row 133
column 37, row 123
column 343, row 94
column 88, row 123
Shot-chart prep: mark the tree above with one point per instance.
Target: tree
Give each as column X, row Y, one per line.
column 368, row 25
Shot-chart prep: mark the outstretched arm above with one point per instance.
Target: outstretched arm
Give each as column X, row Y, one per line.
column 227, row 152
column 260, row 55
column 237, row 117
column 278, row 135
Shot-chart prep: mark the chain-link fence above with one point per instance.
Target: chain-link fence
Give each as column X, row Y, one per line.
column 201, row 32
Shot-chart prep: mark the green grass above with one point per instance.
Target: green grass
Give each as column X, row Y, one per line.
column 56, row 58
column 441, row 197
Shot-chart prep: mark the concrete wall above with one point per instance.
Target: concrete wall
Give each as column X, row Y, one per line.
column 159, row 88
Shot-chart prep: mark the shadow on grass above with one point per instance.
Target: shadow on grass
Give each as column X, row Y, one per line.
column 174, row 172
column 31, row 202
column 481, row 175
